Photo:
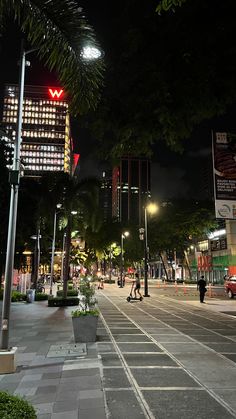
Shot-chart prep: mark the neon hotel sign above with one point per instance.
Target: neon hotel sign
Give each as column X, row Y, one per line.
column 56, row 94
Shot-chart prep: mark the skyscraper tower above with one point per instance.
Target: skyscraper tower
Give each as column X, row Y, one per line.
column 130, row 188
column 46, row 142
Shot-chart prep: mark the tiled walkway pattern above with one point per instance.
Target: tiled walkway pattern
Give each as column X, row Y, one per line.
column 163, row 359
column 159, row 358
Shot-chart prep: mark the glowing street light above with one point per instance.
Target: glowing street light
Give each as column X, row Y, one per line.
column 91, row 53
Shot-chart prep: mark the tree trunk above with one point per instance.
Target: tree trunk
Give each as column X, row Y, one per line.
column 66, row 273
column 188, row 266
column 164, row 267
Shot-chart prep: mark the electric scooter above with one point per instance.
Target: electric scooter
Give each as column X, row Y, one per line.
column 132, row 297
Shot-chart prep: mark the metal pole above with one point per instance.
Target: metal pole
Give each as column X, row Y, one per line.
column 53, row 250
column 14, row 180
column 110, row 265
column 145, row 257
column 38, row 240
column 121, row 261
column 62, row 257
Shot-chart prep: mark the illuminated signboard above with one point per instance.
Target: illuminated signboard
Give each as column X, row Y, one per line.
column 56, row 94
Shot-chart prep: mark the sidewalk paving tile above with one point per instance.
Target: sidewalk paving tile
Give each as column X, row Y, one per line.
column 65, row 415
column 186, row 404
column 123, row 404
column 97, row 413
column 65, row 406
column 115, row 378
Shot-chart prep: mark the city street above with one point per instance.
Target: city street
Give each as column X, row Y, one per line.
column 165, row 357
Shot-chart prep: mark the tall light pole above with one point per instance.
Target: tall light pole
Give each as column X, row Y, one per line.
column 62, row 256
column 151, row 209
column 37, row 238
column 53, row 245
column 123, row 235
column 112, row 245
column 14, row 182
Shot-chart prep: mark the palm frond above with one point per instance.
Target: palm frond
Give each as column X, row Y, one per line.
column 59, row 31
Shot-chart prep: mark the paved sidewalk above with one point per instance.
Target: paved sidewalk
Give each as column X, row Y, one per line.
column 59, row 384
column 160, row 358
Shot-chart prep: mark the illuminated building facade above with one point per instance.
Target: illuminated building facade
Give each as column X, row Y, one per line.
column 130, row 189
column 105, row 198
column 46, row 142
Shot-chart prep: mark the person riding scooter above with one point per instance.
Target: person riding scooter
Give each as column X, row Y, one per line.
column 137, row 285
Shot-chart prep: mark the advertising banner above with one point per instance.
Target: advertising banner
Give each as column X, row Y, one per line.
column 224, row 168
column 204, row 263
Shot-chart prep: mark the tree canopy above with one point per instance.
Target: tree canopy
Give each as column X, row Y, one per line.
column 178, row 224
column 165, row 73
column 165, row 5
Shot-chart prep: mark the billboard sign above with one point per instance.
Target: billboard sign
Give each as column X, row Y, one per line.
column 224, row 169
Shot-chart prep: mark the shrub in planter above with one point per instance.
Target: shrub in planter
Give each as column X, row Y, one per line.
column 63, row 302
column 85, row 318
column 40, row 296
column 13, row 407
column 70, row 293
column 17, row 296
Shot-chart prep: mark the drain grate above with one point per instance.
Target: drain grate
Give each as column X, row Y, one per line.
column 70, row 349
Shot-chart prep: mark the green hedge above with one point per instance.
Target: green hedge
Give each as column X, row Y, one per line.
column 70, row 293
column 15, row 296
column 63, row 302
column 13, row 407
column 40, row 296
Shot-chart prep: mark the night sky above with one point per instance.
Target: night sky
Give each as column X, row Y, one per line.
column 174, row 175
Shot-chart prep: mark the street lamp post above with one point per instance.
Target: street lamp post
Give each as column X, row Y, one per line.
column 145, row 255
column 14, row 182
column 123, row 235
column 151, row 209
column 37, row 238
column 110, row 260
column 53, row 246
column 62, row 257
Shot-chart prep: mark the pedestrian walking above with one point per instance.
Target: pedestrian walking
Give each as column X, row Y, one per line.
column 202, row 288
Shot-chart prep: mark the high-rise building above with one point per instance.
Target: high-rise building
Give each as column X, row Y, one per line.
column 46, row 140
column 130, row 188
column 105, row 197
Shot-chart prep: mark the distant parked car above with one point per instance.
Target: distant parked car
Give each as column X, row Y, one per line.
column 230, row 286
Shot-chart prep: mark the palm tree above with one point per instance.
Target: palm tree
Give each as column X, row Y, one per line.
column 74, row 195
column 81, row 196
column 59, row 32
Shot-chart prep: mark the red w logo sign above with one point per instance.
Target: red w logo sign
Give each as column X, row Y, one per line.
column 55, row 94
